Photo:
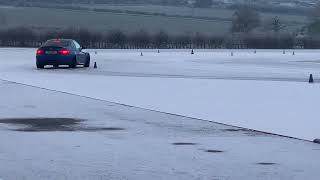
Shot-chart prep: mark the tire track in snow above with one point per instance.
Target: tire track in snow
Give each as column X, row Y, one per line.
column 180, row 76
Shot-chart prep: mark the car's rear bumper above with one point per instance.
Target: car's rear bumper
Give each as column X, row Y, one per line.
column 55, row 59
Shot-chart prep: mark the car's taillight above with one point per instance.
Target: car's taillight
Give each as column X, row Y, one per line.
column 40, row 51
column 64, row 51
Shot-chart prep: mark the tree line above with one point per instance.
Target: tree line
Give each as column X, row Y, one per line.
column 26, row 37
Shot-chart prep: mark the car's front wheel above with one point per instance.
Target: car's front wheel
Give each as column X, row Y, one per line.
column 87, row 64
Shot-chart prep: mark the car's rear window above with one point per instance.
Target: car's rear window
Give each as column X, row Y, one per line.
column 58, row 43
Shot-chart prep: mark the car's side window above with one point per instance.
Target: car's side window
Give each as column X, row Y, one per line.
column 77, row 45
column 73, row 46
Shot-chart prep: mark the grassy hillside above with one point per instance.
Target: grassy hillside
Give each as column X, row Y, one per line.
column 292, row 21
column 42, row 17
column 174, row 20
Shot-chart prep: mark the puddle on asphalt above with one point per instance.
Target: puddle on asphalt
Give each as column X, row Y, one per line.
column 266, row 164
column 214, row 151
column 104, row 129
column 184, row 144
column 232, row 130
column 53, row 124
column 245, row 131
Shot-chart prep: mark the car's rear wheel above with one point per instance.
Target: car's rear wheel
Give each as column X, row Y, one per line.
column 73, row 63
column 87, row 64
column 40, row 66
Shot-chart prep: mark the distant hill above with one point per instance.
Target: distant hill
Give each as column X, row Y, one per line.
column 173, row 16
column 280, row 6
column 283, row 3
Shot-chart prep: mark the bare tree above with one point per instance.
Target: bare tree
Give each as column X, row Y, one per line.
column 140, row 39
column 161, row 39
column 199, row 40
column 182, row 41
column 276, row 24
column 117, row 38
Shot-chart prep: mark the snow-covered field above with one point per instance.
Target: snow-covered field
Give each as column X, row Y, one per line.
column 267, row 91
column 118, row 142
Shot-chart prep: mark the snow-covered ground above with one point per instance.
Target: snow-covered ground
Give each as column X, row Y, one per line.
column 267, row 91
column 119, row 142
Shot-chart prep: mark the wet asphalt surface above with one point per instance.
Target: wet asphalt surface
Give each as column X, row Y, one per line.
column 50, row 135
column 53, row 124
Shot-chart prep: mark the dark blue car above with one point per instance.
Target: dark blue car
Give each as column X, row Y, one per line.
column 62, row 52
